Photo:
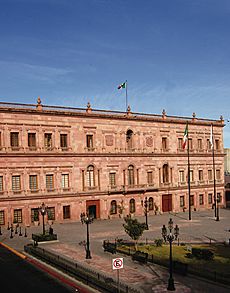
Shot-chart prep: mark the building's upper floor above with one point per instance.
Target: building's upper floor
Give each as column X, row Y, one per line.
column 39, row 128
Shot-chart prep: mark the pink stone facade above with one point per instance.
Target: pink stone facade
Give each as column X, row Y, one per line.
column 103, row 162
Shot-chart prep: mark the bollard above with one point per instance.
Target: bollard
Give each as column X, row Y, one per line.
column 25, row 235
column 11, row 232
column 0, row 230
column 8, row 228
column 20, row 231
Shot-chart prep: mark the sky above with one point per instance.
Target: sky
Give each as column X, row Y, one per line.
column 174, row 54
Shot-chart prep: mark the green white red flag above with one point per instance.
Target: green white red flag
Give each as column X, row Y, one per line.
column 185, row 138
column 122, row 86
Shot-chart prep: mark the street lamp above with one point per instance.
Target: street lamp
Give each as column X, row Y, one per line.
column 172, row 235
column 217, row 207
column 43, row 210
column 87, row 220
column 146, row 205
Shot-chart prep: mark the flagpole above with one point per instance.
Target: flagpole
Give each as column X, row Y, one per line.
column 126, row 95
column 214, row 175
column 189, row 196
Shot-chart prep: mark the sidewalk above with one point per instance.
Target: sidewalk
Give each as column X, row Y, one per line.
column 145, row 278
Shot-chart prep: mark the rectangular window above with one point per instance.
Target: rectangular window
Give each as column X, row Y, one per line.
column 200, row 146
column 0, row 139
column 164, row 143
column 201, row 199
column 201, row 177
column 217, row 144
column 17, row 216
column 66, row 212
column 1, row 183
column 112, row 178
column 218, row 174
column 48, row 141
column 32, row 140
column 180, row 143
column 33, row 182
column 182, row 201
column 190, row 143
column 63, row 141
column 192, row 200
column 208, row 145
column 210, row 198
column 150, row 177
column 34, row 215
column 89, row 141
column 2, row 218
column 51, row 213
column 49, row 182
column 191, row 176
column 181, row 176
column 16, row 183
column 219, row 197
column 65, row 181
column 209, row 174
column 14, row 139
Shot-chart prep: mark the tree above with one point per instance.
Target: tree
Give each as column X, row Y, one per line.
column 134, row 229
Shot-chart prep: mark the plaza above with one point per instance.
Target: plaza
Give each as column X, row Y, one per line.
column 146, row 278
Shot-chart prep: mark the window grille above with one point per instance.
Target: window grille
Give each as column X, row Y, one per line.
column 2, row 218
column 33, row 182
column 32, row 140
column 63, row 141
column 49, row 182
column 18, row 216
column 14, row 139
column 16, row 183
column 65, row 181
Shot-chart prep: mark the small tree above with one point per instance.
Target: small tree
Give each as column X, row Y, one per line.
column 134, row 229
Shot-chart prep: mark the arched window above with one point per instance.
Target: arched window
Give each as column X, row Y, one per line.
column 165, row 173
column 113, row 208
column 131, row 175
column 129, row 139
column 90, row 176
column 132, row 207
column 150, row 204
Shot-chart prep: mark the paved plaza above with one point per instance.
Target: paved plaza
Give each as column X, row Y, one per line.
column 145, row 278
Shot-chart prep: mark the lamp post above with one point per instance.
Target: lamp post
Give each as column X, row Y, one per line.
column 172, row 235
column 87, row 220
column 217, row 207
column 146, row 205
column 43, row 211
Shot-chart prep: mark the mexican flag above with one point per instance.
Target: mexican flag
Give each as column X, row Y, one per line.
column 185, row 138
column 122, row 86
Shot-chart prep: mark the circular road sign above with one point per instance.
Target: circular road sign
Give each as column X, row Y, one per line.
column 117, row 263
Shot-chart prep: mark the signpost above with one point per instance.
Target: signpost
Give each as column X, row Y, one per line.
column 118, row 264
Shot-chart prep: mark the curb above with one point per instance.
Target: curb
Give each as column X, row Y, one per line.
column 21, row 255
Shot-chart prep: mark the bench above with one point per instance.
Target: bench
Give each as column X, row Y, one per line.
column 110, row 247
column 140, row 256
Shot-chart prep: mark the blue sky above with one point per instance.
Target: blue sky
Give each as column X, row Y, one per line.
column 175, row 55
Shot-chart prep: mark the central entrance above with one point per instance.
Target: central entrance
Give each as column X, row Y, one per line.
column 166, row 202
column 93, row 208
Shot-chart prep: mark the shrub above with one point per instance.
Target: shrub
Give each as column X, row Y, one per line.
column 158, row 242
column 202, row 253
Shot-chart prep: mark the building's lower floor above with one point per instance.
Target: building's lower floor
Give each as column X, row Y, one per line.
column 27, row 211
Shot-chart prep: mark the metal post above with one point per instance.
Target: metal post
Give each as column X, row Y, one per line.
column 25, row 235
column 146, row 214
column 11, row 232
column 0, row 230
column 170, row 280
column 43, row 223
column 88, row 255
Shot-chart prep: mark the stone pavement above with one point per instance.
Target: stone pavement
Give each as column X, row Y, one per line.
column 148, row 278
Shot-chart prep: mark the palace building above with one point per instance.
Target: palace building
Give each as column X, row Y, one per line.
column 105, row 163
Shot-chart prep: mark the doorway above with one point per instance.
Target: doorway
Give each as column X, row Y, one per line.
column 93, row 208
column 166, row 202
